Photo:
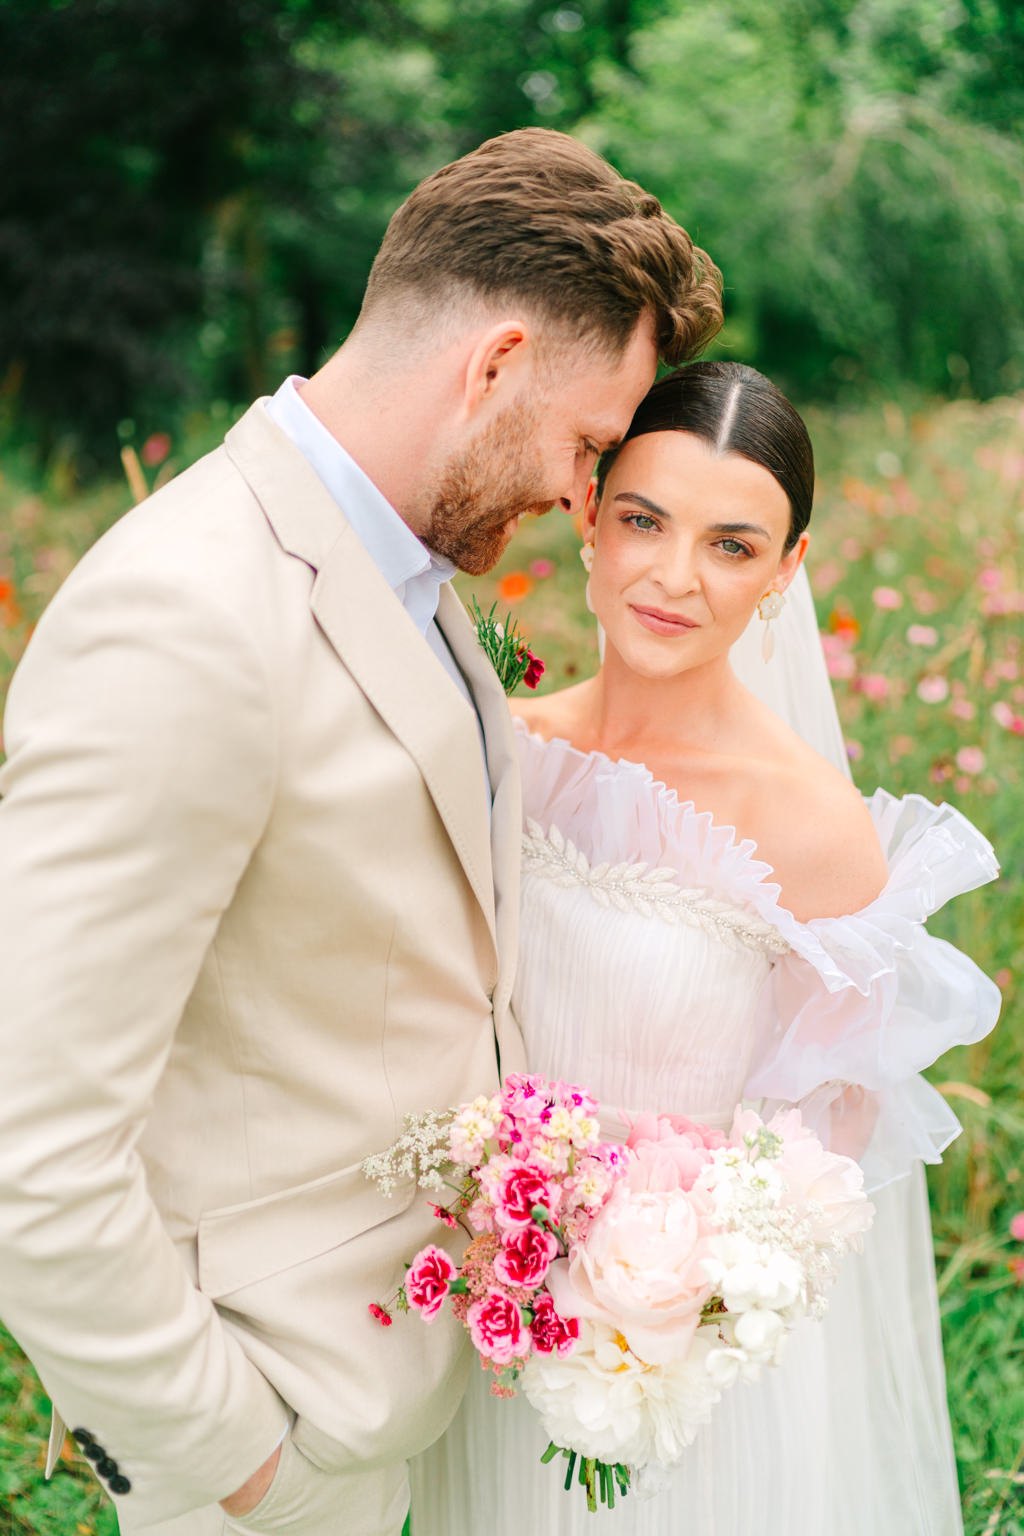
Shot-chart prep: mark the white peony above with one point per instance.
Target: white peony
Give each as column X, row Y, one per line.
column 602, row 1401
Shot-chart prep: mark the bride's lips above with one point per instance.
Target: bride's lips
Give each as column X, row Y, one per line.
column 661, row 623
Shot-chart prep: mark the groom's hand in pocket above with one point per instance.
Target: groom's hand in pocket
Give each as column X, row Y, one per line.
column 245, row 1499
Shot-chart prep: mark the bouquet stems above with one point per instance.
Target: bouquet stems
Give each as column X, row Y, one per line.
column 599, row 1478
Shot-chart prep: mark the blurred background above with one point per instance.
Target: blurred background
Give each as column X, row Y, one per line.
column 191, row 194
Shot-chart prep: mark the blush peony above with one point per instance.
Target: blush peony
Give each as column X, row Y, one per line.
column 639, row 1270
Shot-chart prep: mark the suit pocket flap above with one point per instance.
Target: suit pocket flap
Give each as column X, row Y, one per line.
column 242, row 1244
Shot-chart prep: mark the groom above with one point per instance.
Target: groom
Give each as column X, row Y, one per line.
column 258, row 859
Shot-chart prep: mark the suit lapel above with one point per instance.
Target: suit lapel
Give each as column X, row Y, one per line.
column 503, row 767
column 376, row 640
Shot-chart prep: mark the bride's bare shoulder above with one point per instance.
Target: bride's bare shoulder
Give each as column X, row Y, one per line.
column 817, row 833
column 551, row 714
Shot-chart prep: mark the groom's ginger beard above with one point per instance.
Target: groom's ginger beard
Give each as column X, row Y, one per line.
column 491, row 482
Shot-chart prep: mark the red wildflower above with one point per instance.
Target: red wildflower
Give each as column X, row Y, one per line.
column 381, row 1315
column 534, row 671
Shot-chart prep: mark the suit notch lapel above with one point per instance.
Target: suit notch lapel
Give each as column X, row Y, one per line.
column 410, row 690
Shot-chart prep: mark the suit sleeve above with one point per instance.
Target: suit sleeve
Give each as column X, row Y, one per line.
column 140, row 774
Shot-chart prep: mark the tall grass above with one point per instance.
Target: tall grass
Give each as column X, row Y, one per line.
column 917, row 571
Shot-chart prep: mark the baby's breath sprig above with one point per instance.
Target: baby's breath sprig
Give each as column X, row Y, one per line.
column 509, row 654
column 421, row 1154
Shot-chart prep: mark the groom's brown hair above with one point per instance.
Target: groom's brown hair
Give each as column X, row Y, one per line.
column 534, row 216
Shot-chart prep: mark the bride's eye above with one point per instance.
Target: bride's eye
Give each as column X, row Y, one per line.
column 734, row 548
column 641, row 521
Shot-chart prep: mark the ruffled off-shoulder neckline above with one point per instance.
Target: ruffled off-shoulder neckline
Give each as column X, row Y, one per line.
column 616, row 810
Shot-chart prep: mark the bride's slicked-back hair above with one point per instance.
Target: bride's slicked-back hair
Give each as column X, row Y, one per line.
column 734, row 409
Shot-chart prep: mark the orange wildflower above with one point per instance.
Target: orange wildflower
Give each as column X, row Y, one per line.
column 514, row 587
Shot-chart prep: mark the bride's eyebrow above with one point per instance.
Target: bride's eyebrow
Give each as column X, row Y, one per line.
column 642, row 501
column 740, row 528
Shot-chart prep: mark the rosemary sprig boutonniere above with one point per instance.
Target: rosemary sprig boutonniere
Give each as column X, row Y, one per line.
column 509, row 653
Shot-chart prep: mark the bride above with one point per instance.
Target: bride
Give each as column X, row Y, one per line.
column 785, row 961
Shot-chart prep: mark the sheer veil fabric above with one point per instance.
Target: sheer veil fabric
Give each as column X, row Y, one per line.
column 850, row 1436
column 883, row 1340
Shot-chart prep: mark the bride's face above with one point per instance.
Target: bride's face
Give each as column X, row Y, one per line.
column 686, row 541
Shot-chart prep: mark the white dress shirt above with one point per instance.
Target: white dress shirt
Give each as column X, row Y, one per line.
column 413, row 572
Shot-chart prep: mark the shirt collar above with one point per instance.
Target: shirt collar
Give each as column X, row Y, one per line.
column 413, row 571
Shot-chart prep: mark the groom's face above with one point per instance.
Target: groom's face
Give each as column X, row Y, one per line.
column 539, row 452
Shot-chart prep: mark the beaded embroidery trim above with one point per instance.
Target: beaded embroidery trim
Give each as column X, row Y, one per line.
column 638, row 888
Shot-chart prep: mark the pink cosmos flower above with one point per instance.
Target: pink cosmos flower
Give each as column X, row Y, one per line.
column 426, row 1283
column 670, row 1152
column 970, row 759
column 496, row 1328
column 520, row 1191
column 155, row 449
column 1003, row 715
column 874, row 686
column 525, row 1256
column 887, row 598
column 933, row 689
column 542, row 568
column 963, row 709
column 1017, row 1226
column 551, row 1334
column 922, row 634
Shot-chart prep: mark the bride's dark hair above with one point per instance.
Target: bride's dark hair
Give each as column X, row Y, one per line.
column 735, row 409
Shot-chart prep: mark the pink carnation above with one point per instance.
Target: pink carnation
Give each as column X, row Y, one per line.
column 551, row 1334
column 519, row 1192
column 426, row 1284
column 525, row 1256
column 496, row 1328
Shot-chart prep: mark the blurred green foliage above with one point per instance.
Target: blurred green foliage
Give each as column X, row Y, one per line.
column 191, row 195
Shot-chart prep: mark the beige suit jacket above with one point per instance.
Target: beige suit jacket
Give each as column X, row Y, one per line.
column 251, row 913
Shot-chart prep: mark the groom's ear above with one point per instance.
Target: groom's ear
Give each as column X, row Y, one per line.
column 497, row 364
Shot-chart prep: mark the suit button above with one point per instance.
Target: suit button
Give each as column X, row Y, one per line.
column 120, row 1484
column 83, row 1436
column 107, row 1467
column 93, row 1451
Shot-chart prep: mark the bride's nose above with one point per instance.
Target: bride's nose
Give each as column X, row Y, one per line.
column 675, row 570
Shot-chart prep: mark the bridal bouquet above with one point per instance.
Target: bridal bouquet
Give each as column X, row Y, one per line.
column 624, row 1287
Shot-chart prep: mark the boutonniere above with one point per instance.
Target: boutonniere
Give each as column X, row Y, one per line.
column 509, row 654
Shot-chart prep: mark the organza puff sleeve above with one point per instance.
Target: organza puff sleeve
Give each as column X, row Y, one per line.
column 859, row 1005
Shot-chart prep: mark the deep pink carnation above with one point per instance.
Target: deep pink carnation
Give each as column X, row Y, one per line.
column 496, row 1328
column 426, row 1284
column 520, row 1190
column 552, row 1334
column 525, row 1255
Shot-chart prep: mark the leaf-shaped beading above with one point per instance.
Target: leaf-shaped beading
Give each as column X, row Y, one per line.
column 648, row 892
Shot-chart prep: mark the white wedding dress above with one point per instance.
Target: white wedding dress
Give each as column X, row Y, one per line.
column 687, row 994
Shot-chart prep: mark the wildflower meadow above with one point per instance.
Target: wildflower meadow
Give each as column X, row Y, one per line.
column 918, row 575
